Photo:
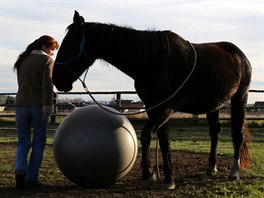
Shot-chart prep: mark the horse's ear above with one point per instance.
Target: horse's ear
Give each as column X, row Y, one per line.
column 82, row 19
column 77, row 19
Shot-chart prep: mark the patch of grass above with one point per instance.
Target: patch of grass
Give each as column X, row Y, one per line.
column 256, row 123
column 187, row 138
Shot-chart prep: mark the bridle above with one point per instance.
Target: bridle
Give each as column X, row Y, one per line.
column 82, row 52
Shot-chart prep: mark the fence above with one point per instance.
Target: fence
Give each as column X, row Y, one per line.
column 7, row 104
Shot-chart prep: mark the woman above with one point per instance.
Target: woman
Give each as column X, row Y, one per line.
column 33, row 106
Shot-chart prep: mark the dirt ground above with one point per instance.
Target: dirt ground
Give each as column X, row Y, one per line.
column 189, row 176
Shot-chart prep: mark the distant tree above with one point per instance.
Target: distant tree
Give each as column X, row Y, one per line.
column 76, row 100
column 113, row 102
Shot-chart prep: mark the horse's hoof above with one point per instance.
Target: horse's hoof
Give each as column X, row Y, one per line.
column 211, row 171
column 169, row 186
column 233, row 178
column 149, row 181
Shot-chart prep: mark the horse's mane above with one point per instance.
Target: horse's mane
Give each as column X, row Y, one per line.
column 149, row 42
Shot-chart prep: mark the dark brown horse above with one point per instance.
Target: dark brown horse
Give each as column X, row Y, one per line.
column 161, row 62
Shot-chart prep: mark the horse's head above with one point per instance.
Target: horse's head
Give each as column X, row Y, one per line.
column 72, row 58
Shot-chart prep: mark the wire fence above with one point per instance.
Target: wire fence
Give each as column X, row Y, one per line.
column 63, row 106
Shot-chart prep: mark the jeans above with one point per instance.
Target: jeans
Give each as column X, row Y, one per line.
column 27, row 117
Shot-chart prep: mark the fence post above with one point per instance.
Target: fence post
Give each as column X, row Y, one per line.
column 195, row 117
column 55, row 108
column 118, row 100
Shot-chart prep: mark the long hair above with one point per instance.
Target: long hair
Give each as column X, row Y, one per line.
column 37, row 44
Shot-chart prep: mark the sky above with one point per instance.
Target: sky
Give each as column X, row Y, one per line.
column 199, row 21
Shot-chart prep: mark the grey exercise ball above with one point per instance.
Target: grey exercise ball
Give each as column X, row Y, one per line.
column 95, row 148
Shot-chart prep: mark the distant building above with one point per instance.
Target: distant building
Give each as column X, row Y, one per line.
column 258, row 106
column 130, row 105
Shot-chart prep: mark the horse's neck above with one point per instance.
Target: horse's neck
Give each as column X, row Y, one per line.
column 119, row 48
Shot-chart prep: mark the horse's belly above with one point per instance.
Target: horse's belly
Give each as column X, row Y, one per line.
column 196, row 105
column 206, row 98
column 198, row 108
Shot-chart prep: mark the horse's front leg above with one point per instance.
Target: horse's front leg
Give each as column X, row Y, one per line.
column 163, row 136
column 156, row 121
column 148, row 175
column 214, row 131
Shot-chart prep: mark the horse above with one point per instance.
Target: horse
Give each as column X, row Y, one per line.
column 169, row 71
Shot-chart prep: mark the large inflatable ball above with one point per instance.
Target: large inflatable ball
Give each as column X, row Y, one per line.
column 95, row 148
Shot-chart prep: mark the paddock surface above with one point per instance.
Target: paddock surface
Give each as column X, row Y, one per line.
column 190, row 165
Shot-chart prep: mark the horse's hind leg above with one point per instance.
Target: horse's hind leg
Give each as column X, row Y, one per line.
column 214, row 132
column 163, row 136
column 238, row 109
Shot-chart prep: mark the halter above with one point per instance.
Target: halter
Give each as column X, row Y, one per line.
column 82, row 51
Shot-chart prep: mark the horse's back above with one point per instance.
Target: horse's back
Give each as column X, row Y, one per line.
column 243, row 63
column 221, row 70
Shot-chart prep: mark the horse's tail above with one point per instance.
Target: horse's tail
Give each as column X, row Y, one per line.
column 244, row 152
column 239, row 103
